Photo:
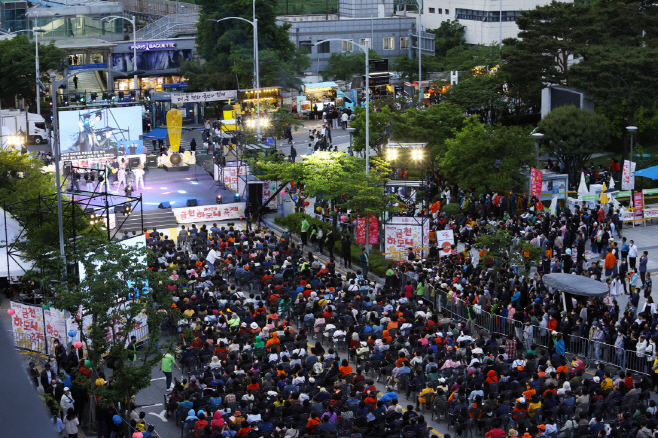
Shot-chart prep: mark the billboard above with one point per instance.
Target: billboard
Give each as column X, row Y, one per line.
column 98, row 132
column 156, row 60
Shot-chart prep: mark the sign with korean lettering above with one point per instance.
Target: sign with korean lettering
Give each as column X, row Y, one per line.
column 628, row 176
column 399, row 237
column 444, row 240
column 414, row 221
column 638, row 205
column 536, row 177
column 55, row 327
column 27, row 325
column 204, row 96
column 268, row 191
column 373, row 230
column 219, row 212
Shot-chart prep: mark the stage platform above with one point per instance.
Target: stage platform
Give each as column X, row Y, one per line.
column 176, row 188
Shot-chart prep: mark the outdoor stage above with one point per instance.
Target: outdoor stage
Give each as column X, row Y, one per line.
column 175, row 188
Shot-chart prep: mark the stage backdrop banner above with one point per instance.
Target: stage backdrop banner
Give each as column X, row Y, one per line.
column 220, row 212
column 28, row 328
column 373, row 230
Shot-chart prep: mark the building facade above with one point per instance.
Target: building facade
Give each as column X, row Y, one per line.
column 481, row 19
column 372, row 23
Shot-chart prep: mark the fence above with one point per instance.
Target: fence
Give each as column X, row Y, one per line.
column 159, row 7
column 587, row 350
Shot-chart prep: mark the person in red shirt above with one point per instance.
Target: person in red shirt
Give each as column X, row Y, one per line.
column 201, row 423
column 244, row 430
column 254, row 384
column 496, row 432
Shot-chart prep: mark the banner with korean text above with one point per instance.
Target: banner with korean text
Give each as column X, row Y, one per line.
column 402, row 233
column 27, row 325
column 444, row 240
column 373, row 230
column 628, row 176
column 536, row 177
column 219, row 212
column 205, row 96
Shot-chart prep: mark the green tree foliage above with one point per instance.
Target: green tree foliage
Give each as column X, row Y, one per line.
column 344, row 66
column 502, row 251
column 620, row 77
column 432, row 125
column 281, row 120
column 482, row 94
column 17, row 68
column 22, row 177
column 408, row 67
column 448, row 35
column 488, row 158
column 572, row 135
column 227, row 48
column 334, row 176
column 467, row 57
column 381, row 123
column 114, row 308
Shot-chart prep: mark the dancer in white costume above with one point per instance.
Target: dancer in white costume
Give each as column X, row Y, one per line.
column 139, row 176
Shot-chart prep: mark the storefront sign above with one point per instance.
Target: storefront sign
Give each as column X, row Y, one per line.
column 177, row 85
column 373, row 230
column 536, row 177
column 160, row 45
column 205, row 96
column 87, row 66
column 219, row 212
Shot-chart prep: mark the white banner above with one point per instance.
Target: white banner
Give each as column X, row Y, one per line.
column 219, row 212
column 444, row 240
column 399, row 237
column 27, row 325
column 55, row 327
column 628, row 176
column 404, row 220
column 268, row 191
column 204, row 96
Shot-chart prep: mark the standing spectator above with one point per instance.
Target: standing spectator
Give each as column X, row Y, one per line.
column 632, row 254
column 71, row 423
column 364, row 259
column 643, row 267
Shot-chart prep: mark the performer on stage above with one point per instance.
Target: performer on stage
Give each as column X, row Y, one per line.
column 121, row 178
column 139, row 176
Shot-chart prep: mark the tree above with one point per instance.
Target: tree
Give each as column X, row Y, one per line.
column 500, row 251
column 281, row 120
column 483, row 94
column 572, row 135
column 227, row 48
column 408, row 67
column 623, row 77
column 448, row 35
column 111, row 301
column 381, row 123
column 465, row 58
column 488, row 158
column 335, row 177
column 344, row 66
column 17, row 68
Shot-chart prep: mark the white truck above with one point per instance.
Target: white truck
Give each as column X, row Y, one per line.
column 22, row 122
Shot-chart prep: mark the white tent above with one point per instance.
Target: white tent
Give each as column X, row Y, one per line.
column 11, row 264
column 582, row 188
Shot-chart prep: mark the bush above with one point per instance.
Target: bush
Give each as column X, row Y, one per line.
column 452, row 209
column 293, row 222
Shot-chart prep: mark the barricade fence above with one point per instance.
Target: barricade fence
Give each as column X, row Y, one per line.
column 589, row 351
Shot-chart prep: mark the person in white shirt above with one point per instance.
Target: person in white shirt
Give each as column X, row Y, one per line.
column 343, row 120
column 139, row 176
column 632, row 255
column 211, row 258
column 66, row 401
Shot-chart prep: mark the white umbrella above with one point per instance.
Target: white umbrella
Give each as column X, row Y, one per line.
column 612, row 182
column 554, row 205
column 582, row 188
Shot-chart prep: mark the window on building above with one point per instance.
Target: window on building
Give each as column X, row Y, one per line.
column 305, row 46
column 389, row 44
column 365, row 42
column 447, row 11
column 324, row 47
column 432, row 10
column 440, row 11
column 404, row 42
column 347, row 46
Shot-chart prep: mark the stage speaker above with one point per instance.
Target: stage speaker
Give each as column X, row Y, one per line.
column 255, row 196
column 134, row 162
column 192, row 203
column 151, row 161
column 164, row 204
column 67, row 168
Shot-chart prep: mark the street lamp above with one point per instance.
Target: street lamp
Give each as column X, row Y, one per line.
column 36, row 31
column 632, row 130
column 365, row 50
column 537, row 136
column 110, row 19
column 254, row 23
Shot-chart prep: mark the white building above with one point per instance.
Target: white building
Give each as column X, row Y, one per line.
column 480, row 17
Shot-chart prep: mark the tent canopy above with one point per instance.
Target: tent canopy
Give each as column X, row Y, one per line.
column 156, row 134
column 321, row 85
column 11, row 264
column 649, row 172
column 576, row 285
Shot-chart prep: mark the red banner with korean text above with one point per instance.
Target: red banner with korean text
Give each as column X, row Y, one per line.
column 536, row 177
column 373, row 230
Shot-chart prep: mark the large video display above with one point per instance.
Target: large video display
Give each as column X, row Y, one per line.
column 99, row 132
column 157, row 60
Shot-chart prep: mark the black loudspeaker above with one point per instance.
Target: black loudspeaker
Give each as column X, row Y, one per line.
column 192, row 203
column 67, row 168
column 255, row 196
column 134, row 162
column 151, row 161
column 164, row 204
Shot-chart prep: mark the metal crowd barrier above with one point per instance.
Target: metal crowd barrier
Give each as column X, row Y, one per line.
column 589, row 351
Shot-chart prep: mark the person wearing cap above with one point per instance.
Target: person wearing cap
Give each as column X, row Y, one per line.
column 67, row 400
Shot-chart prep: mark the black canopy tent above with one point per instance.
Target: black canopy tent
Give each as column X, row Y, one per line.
column 575, row 285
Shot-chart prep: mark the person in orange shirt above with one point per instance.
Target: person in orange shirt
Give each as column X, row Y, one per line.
column 313, row 422
column 345, row 368
column 273, row 340
column 401, row 359
column 610, row 263
column 529, row 391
